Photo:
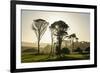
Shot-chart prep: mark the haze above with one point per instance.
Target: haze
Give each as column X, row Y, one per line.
column 79, row 23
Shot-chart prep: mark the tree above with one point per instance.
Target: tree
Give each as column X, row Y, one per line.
column 87, row 49
column 77, row 44
column 59, row 30
column 72, row 37
column 79, row 50
column 77, row 39
column 39, row 26
column 52, row 41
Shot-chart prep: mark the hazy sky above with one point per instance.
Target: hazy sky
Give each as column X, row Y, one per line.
column 79, row 23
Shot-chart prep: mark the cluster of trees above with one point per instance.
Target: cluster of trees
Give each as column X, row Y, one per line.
column 58, row 30
column 78, row 50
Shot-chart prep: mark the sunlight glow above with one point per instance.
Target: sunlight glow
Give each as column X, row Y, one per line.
column 78, row 23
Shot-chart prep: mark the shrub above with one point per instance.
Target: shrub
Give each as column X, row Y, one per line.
column 65, row 51
column 87, row 49
column 79, row 50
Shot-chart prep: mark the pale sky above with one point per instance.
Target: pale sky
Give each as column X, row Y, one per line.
column 79, row 23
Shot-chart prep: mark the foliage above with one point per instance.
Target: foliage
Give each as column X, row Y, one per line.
column 72, row 38
column 39, row 26
column 79, row 50
column 59, row 29
column 87, row 49
column 65, row 51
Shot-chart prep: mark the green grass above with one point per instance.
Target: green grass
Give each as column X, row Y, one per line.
column 32, row 57
column 29, row 55
column 78, row 56
column 26, row 58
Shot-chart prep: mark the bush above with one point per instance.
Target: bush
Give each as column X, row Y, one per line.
column 65, row 51
column 79, row 50
column 87, row 49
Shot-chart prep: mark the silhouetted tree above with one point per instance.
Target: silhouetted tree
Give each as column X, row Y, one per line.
column 77, row 44
column 72, row 37
column 87, row 49
column 77, row 39
column 39, row 26
column 60, row 30
column 52, row 41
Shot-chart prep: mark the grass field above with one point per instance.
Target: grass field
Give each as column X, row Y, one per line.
column 29, row 55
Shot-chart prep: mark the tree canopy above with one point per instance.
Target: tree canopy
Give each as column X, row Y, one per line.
column 59, row 29
column 39, row 26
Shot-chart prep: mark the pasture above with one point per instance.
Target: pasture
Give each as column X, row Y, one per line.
column 30, row 55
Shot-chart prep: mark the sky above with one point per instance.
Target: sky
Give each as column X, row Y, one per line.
column 78, row 23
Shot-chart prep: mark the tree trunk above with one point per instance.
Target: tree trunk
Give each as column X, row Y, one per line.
column 71, row 48
column 59, row 45
column 52, row 46
column 73, row 44
column 38, row 45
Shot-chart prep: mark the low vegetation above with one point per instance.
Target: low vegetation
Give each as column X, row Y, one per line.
column 30, row 55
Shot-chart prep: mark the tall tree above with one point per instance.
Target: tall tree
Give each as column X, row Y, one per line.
column 59, row 30
column 77, row 41
column 39, row 26
column 52, row 41
column 72, row 37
